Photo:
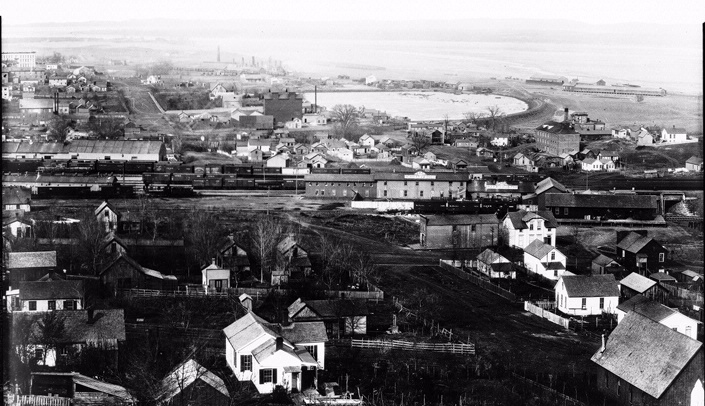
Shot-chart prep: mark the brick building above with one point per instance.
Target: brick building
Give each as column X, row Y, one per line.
column 557, row 138
column 340, row 185
column 421, row 185
column 283, row 106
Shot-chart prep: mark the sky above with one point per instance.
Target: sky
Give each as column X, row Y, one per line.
column 16, row 12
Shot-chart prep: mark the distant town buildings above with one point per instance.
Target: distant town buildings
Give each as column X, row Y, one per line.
column 22, row 59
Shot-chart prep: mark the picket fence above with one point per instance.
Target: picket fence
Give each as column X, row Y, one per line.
column 256, row 293
column 552, row 317
column 37, row 400
column 465, row 349
column 484, row 284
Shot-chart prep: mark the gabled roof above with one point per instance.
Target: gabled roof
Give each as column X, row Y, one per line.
column 16, row 195
column 590, row 285
column 303, row 332
column 634, row 242
column 646, row 354
column 184, row 375
column 538, row 249
column 104, row 387
column 675, row 130
column 286, row 244
column 637, row 282
column 648, row 308
column 49, row 290
column 490, row 257
column 518, row 222
column 331, row 308
column 694, row 160
column 37, row 259
column 245, row 330
column 661, row 277
column 140, row 268
column 109, row 324
column 603, row 260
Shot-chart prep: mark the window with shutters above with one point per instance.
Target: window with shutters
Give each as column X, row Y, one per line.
column 245, row 363
column 584, row 303
column 32, row 305
column 70, row 305
column 268, row 375
column 52, row 305
column 602, row 303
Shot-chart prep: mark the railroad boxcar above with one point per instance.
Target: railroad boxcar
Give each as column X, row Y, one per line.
column 21, row 165
column 214, row 169
column 246, row 184
column 355, row 171
column 139, row 166
column 230, row 181
column 199, row 169
column 325, row 170
column 109, row 167
column 214, row 182
column 238, row 169
column 199, row 183
column 184, row 178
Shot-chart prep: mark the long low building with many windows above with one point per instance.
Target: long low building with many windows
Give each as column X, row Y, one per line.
column 389, row 185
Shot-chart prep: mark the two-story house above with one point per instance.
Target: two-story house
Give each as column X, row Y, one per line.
column 298, row 264
column 232, row 256
column 271, row 354
column 29, row 266
column 640, row 253
column 587, row 295
column 522, row 227
column 544, row 259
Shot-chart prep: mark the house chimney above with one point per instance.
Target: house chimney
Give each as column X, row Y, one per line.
column 565, row 115
column 602, row 348
column 280, row 343
column 91, row 319
column 213, row 259
column 285, row 322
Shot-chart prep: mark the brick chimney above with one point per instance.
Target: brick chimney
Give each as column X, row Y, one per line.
column 565, row 115
column 280, row 343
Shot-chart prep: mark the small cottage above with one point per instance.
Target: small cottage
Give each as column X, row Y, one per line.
column 587, row 295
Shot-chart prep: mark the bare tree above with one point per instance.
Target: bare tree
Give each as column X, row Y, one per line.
column 347, row 118
column 91, row 235
column 420, row 141
column 471, row 116
column 494, row 114
column 266, row 234
column 204, row 235
column 58, row 128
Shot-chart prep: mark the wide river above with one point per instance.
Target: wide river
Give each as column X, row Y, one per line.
column 421, row 106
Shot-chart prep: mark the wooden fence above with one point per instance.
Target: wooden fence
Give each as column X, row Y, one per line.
column 256, row 293
column 552, row 317
column 484, row 284
column 37, row 400
column 564, row 399
column 465, row 349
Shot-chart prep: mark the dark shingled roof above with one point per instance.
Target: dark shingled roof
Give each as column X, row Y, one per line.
column 460, row 219
column 37, row 259
column 646, row 354
column 518, row 218
column 549, row 183
column 591, row 285
column 302, row 332
column 51, row 290
column 603, row 260
column 634, row 242
column 555, row 127
column 108, row 325
column 601, row 200
column 15, row 195
column 637, row 282
column 646, row 307
column 331, row 308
